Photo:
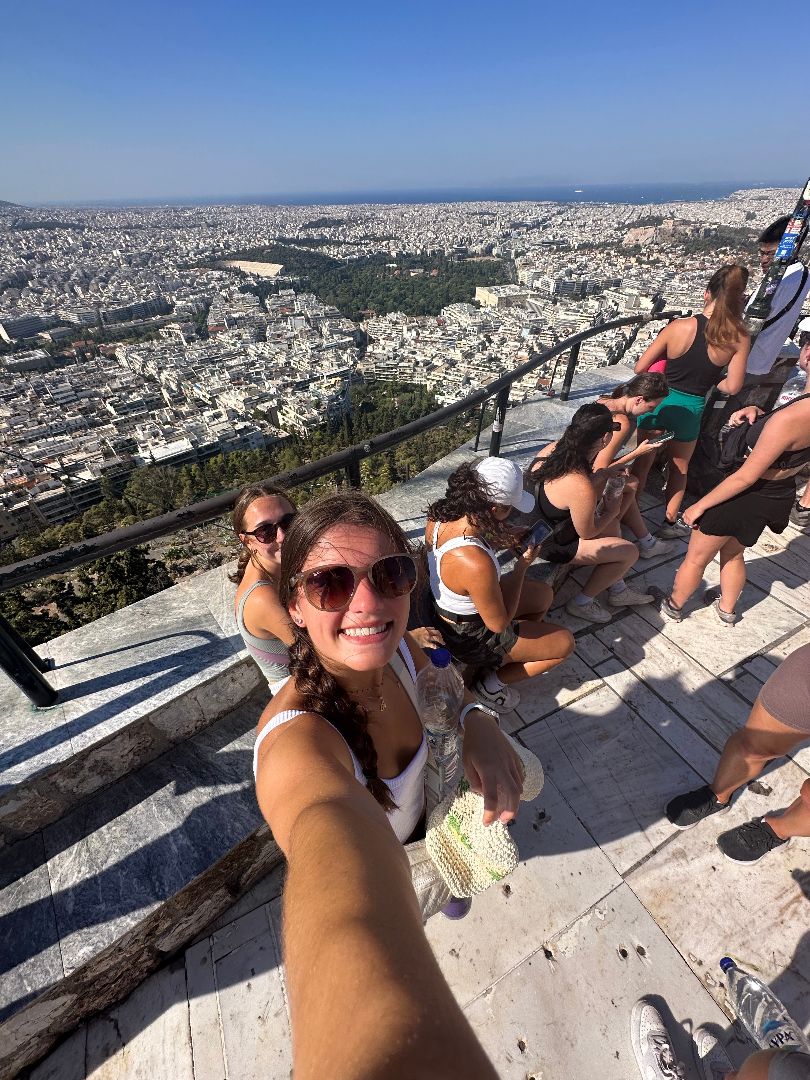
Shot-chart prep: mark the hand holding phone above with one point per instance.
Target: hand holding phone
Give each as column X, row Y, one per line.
column 659, row 440
column 534, row 537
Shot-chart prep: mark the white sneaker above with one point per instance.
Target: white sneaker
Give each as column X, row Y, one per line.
column 653, row 551
column 712, row 1061
column 504, row 699
column 655, row 1054
column 629, row 597
column 590, row 612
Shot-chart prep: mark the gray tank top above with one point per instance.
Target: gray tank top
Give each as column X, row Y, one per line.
column 270, row 654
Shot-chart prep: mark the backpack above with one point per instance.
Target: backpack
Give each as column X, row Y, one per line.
column 732, row 441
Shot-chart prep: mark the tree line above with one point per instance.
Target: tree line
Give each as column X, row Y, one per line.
column 56, row 604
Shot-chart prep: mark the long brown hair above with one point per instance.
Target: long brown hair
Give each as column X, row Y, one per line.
column 726, row 287
column 468, row 495
column 321, row 691
column 249, row 494
column 649, row 385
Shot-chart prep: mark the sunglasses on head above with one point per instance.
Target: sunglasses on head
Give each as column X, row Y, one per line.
column 267, row 532
column 332, row 588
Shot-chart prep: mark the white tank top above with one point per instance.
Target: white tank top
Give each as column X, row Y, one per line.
column 445, row 598
column 407, row 789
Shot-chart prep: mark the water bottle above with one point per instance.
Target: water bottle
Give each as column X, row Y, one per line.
column 612, row 493
column 440, row 692
column 761, row 1012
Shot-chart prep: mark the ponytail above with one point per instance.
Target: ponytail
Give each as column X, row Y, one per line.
column 726, row 287
column 323, row 694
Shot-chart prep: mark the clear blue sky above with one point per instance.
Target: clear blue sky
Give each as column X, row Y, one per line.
column 115, row 99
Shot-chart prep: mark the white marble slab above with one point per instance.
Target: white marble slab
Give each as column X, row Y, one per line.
column 543, row 694
column 706, row 703
column 616, row 772
column 561, row 874
column 709, row 906
column 713, row 644
column 569, row 1017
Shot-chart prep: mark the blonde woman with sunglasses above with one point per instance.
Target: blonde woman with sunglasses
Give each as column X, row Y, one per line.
column 345, row 734
column 261, row 516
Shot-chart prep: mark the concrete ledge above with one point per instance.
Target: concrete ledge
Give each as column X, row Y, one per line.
column 92, row 904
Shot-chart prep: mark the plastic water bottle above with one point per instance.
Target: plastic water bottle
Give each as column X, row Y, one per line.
column 761, row 1012
column 440, row 692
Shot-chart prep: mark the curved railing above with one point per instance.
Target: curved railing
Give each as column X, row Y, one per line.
column 24, row 666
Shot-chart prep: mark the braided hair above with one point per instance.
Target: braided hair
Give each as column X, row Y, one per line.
column 321, row 691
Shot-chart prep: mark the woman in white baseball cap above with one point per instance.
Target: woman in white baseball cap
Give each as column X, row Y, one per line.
column 487, row 620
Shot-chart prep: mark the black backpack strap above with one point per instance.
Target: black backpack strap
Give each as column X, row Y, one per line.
column 775, row 318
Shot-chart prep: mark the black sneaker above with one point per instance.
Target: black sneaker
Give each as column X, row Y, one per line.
column 688, row 809
column 750, row 842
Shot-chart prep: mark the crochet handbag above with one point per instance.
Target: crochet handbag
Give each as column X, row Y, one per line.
column 469, row 855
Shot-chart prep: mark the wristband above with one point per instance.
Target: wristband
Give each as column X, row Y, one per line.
column 473, row 705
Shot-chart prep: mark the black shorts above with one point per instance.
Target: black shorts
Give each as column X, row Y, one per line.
column 765, row 503
column 474, row 643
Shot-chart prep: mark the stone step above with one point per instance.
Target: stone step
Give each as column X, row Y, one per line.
column 130, row 686
column 91, row 904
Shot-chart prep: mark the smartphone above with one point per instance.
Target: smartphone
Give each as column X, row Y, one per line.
column 661, row 439
column 536, row 535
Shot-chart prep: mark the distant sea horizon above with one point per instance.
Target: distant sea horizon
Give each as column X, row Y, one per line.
column 634, row 194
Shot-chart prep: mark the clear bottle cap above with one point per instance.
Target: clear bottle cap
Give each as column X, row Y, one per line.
column 440, row 658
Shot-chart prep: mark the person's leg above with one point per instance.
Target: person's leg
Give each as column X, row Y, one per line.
column 610, row 556
column 702, row 549
column 732, row 574
column 539, row 648
column 535, row 599
column 757, row 1067
column 749, row 750
column 679, row 455
column 795, row 821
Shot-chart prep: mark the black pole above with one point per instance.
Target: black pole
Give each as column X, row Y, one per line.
column 26, row 675
column 501, row 405
column 480, row 425
column 573, row 359
column 353, row 474
column 23, row 646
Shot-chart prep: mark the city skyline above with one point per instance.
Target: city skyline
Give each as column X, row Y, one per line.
column 177, row 103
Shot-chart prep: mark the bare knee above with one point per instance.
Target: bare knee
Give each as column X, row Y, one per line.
column 753, row 747
column 568, row 644
column 804, row 792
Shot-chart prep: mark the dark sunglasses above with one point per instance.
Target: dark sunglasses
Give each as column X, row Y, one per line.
column 267, row 532
column 332, row 588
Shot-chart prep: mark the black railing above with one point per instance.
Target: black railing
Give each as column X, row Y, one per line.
column 24, row 667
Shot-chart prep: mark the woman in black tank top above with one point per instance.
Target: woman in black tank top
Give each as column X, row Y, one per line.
column 695, row 351
column 732, row 516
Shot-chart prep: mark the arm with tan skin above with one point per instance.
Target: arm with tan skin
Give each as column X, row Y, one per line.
column 580, row 495
column 604, row 459
column 367, row 998
column 778, row 435
column 490, row 764
column 656, row 350
column 264, row 615
column 735, row 375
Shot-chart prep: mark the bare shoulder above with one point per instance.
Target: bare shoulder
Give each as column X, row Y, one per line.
column 297, row 734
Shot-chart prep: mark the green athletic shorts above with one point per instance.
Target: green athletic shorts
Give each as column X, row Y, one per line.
column 679, row 413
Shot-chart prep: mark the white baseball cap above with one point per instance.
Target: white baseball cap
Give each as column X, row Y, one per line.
column 804, row 326
column 505, row 482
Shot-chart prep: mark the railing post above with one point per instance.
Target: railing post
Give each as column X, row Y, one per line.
column 573, row 359
column 501, row 405
column 15, row 661
column 480, row 425
column 353, row 474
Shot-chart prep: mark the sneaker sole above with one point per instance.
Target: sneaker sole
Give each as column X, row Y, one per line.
column 588, row 619
column 683, row 828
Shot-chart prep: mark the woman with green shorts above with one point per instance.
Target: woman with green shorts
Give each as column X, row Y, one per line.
column 696, row 352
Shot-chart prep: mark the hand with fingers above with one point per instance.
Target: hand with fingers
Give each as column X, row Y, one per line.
column 493, row 768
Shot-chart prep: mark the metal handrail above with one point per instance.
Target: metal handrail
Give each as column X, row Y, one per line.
column 85, row 551
column 24, row 667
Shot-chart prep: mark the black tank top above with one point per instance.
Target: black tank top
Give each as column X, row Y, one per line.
column 561, row 546
column 790, row 459
column 693, row 372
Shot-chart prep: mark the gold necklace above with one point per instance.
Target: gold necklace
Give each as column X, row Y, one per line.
column 376, row 693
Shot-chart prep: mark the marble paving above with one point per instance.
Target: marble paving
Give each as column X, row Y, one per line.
column 609, row 901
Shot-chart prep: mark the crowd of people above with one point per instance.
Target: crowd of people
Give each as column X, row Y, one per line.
column 326, row 593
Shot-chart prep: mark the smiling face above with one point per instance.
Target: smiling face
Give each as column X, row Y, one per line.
column 262, row 511
column 364, row 636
